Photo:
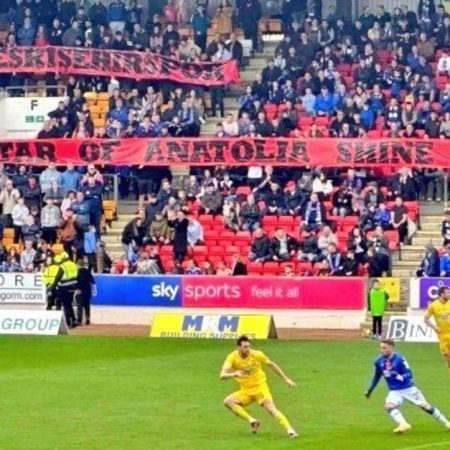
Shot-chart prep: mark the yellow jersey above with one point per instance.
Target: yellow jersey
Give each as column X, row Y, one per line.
column 251, row 365
column 441, row 313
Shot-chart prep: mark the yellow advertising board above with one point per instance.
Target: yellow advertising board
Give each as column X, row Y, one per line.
column 212, row 326
column 392, row 286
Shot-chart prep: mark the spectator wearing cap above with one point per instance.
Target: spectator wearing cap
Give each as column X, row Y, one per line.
column 50, row 221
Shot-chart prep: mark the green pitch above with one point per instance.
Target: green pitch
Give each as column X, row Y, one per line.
column 72, row 393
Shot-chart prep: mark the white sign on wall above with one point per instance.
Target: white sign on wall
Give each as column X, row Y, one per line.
column 43, row 323
column 23, row 117
column 410, row 329
column 22, row 288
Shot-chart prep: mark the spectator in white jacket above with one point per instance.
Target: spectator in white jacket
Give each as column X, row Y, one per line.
column 230, row 126
column 19, row 214
column 326, row 237
column 321, row 186
column 8, row 198
column 443, row 66
column 194, row 232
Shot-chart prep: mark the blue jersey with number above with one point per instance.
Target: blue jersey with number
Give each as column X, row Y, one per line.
column 395, row 370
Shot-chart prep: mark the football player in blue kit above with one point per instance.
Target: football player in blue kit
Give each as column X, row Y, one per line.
column 399, row 378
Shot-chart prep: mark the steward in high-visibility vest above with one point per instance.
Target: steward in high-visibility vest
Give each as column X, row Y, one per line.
column 48, row 278
column 66, row 282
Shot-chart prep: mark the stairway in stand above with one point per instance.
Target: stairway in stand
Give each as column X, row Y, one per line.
column 407, row 260
column 248, row 75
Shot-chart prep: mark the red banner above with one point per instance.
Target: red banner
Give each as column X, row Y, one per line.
column 127, row 64
column 279, row 293
column 233, row 152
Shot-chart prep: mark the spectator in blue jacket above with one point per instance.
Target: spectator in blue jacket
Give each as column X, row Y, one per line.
column 324, row 104
column 367, row 117
column 93, row 194
column 445, row 262
column 70, row 179
column 200, row 22
column 430, row 265
column 117, row 13
column 382, row 216
column 82, row 210
column 120, row 112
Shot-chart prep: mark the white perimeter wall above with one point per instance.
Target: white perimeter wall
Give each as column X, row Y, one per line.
column 309, row 319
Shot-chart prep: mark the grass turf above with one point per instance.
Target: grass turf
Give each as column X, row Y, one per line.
column 90, row 393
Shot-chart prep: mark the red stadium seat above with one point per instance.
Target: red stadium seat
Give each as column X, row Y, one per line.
column 270, row 221
column 243, row 190
column 232, row 250
column 271, row 268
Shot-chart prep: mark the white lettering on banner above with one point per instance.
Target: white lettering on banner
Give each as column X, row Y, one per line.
column 199, row 292
column 410, row 329
column 165, row 290
column 45, row 323
column 26, row 288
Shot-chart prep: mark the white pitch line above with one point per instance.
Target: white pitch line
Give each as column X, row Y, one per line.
column 420, row 447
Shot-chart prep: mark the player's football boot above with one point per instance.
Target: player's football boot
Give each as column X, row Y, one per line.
column 292, row 434
column 403, row 428
column 447, row 425
column 255, row 426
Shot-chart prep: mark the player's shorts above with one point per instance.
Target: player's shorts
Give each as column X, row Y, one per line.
column 444, row 344
column 258, row 394
column 412, row 395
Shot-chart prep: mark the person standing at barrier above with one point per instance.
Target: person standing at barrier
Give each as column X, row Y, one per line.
column 378, row 299
column 85, row 290
column 66, row 282
column 48, row 277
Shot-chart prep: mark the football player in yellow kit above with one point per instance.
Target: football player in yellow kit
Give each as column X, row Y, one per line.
column 440, row 311
column 246, row 366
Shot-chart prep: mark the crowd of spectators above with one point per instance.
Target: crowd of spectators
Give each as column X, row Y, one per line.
column 312, row 204
column 51, row 208
column 383, row 75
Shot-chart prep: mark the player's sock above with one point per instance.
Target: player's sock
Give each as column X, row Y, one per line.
column 438, row 415
column 242, row 413
column 397, row 416
column 282, row 420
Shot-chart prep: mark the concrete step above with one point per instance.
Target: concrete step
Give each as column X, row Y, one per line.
column 430, row 226
column 402, row 272
column 423, row 240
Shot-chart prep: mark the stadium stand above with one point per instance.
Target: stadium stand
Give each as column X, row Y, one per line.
column 382, row 75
